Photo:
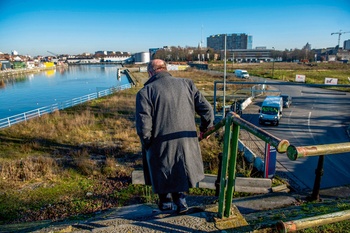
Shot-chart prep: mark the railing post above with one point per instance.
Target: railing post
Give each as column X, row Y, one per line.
column 217, row 181
column 223, row 183
column 315, row 196
column 232, row 168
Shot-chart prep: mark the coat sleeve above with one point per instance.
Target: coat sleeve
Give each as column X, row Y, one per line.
column 144, row 119
column 203, row 109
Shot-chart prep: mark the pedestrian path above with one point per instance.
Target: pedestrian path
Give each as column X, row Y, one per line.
column 248, row 214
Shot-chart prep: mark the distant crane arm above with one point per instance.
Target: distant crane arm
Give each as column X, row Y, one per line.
column 339, row 34
column 52, row 53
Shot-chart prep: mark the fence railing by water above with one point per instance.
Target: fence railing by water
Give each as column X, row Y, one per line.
column 8, row 121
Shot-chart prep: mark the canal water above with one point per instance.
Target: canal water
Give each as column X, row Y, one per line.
column 42, row 89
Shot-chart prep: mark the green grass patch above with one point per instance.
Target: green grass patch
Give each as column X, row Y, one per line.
column 16, row 204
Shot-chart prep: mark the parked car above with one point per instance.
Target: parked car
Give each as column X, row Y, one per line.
column 287, row 100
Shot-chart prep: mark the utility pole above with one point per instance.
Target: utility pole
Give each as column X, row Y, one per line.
column 224, row 99
column 339, row 34
column 201, row 36
column 273, row 62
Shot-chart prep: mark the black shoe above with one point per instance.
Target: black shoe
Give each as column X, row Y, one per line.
column 181, row 204
column 166, row 206
column 165, row 202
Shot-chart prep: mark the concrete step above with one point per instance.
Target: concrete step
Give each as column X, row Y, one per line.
column 242, row 184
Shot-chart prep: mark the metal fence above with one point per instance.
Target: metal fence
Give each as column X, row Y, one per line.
column 8, row 121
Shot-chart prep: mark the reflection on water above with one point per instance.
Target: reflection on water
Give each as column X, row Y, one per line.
column 50, row 73
column 37, row 90
column 2, row 84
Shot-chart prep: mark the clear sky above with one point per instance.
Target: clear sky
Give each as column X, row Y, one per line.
column 33, row 27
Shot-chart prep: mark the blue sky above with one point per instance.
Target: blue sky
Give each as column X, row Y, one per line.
column 34, row 27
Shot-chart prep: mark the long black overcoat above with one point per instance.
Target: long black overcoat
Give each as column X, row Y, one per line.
column 165, row 122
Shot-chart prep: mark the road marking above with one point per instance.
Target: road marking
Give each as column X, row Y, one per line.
column 308, row 126
column 290, row 129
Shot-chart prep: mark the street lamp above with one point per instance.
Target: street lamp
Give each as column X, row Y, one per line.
column 273, row 62
column 224, row 94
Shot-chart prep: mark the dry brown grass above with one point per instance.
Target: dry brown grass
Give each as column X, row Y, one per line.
column 28, row 169
column 103, row 127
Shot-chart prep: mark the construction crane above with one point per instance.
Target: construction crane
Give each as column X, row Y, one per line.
column 339, row 34
column 53, row 53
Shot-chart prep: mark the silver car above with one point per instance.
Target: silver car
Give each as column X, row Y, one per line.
column 287, row 100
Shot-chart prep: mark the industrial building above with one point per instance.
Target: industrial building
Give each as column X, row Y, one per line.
column 142, row 57
column 249, row 55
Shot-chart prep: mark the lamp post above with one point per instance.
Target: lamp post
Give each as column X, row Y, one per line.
column 224, row 94
column 273, row 61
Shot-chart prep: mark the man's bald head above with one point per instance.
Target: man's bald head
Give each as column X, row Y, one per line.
column 156, row 66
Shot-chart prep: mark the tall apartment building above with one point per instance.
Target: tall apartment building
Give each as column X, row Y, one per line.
column 233, row 41
column 346, row 45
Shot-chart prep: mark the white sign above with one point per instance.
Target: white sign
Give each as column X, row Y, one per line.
column 331, row 81
column 300, row 78
column 143, row 69
column 172, row 67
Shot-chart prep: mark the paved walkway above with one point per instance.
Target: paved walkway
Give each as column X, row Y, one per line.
column 147, row 218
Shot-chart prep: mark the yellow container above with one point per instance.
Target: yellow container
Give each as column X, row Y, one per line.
column 49, row 64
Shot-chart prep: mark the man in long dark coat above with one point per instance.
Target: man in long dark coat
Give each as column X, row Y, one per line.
column 165, row 122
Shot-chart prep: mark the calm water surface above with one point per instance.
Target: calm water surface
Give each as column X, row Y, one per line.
column 55, row 86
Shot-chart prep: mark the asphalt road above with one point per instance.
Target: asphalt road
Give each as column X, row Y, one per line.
column 316, row 116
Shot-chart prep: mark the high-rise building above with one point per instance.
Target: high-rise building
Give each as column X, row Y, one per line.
column 346, row 44
column 307, row 47
column 233, row 41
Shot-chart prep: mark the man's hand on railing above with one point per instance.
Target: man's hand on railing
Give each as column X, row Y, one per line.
column 201, row 134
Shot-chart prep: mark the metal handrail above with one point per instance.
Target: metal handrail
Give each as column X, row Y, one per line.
column 232, row 123
column 294, row 152
column 8, row 121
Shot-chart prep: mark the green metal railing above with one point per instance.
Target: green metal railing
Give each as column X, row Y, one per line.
column 294, row 153
column 232, row 124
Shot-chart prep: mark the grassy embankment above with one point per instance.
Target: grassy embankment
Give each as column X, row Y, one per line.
column 80, row 160
column 76, row 161
column 315, row 73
